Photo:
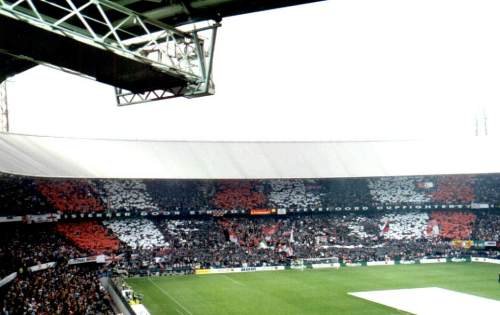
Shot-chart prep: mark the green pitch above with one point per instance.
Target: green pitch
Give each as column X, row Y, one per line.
column 307, row 292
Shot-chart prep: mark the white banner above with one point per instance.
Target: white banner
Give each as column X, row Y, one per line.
column 270, row 268
column 321, row 266
column 433, row 261
column 42, row 218
column 486, row 260
column 11, row 219
column 80, row 260
column 8, row 279
column 380, row 263
column 407, row 262
column 42, row 266
column 100, row 259
column 354, row 264
column 479, row 205
column 225, row 270
column 237, row 270
column 281, row 211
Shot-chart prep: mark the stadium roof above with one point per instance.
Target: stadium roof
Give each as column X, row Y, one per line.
column 178, row 12
column 91, row 158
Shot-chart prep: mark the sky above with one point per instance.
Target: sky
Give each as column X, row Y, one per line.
column 339, row 70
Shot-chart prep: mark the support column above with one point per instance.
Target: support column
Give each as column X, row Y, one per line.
column 4, row 112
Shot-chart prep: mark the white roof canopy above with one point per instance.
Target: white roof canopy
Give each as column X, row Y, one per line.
column 92, row 158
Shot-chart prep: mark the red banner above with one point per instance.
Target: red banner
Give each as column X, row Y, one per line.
column 262, row 211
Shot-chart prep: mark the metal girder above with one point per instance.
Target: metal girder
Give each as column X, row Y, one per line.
column 10, row 65
column 179, row 12
column 185, row 57
column 203, row 87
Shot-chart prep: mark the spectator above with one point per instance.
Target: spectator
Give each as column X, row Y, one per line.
column 71, row 195
column 292, row 194
column 126, row 195
column 399, row 190
column 60, row 289
column 137, row 233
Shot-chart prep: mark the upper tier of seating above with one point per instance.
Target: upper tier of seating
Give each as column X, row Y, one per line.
column 71, row 195
column 23, row 195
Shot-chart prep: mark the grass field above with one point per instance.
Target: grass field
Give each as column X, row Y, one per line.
column 307, row 292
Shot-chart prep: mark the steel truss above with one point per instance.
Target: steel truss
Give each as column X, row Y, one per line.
column 109, row 26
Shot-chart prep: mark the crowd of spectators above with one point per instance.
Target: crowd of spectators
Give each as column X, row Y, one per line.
column 58, row 289
column 361, row 227
column 188, row 244
column 350, row 236
column 18, row 196
column 181, row 194
column 71, row 195
column 180, row 245
column 487, row 226
column 294, row 194
column 399, row 190
column 24, row 195
column 89, row 236
column 402, row 226
column 236, row 194
column 486, row 189
column 452, row 224
column 125, row 195
column 454, row 189
column 345, row 192
column 184, row 244
column 24, row 246
column 137, row 233
column 161, row 245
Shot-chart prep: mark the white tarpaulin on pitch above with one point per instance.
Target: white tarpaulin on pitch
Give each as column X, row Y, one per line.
column 432, row 301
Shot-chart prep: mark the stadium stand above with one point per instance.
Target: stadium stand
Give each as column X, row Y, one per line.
column 194, row 242
column 24, row 246
column 137, row 233
column 18, row 196
column 89, row 236
column 263, row 241
column 486, row 188
column 71, row 195
column 125, row 195
column 343, row 191
column 58, row 289
column 360, row 226
column 239, row 195
column 454, row 189
column 180, row 195
column 180, row 245
column 407, row 226
column 293, row 194
column 452, row 225
column 399, row 190
column 486, row 226
column 37, row 196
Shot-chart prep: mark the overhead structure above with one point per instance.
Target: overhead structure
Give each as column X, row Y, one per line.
column 180, row 12
column 91, row 158
column 137, row 46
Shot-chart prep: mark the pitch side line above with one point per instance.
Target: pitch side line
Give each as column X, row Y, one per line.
column 234, row 281
column 170, row 297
